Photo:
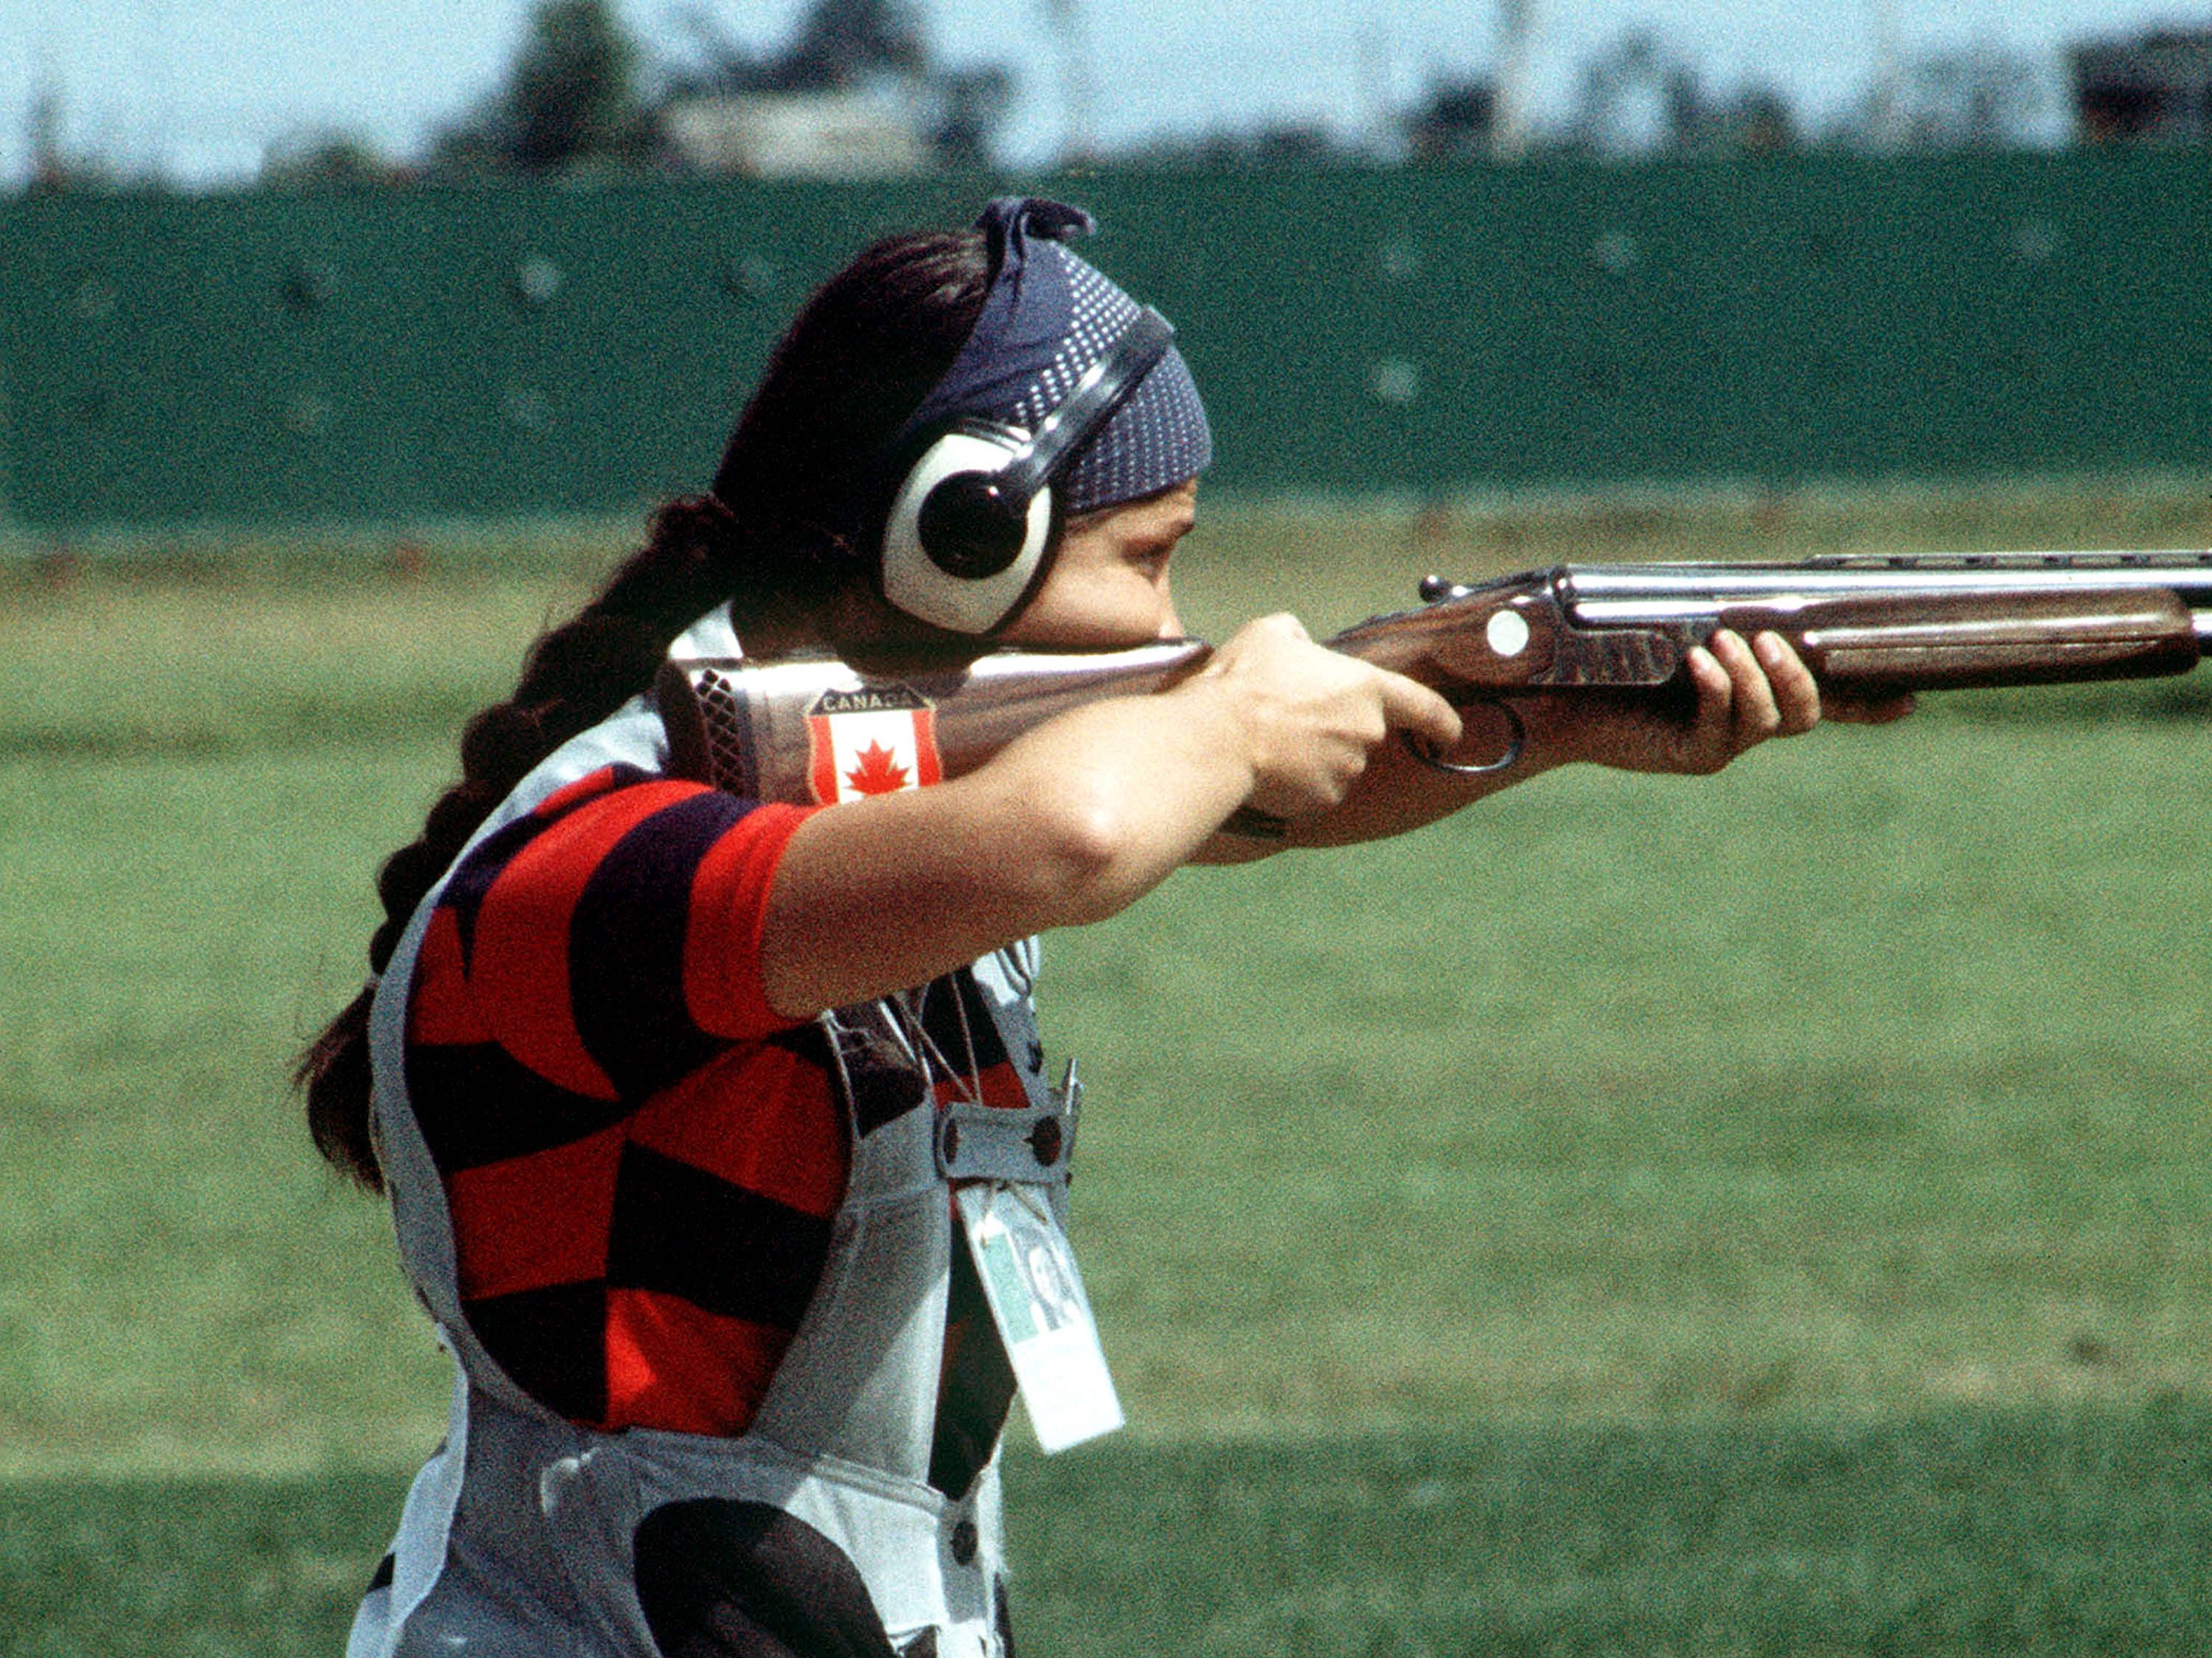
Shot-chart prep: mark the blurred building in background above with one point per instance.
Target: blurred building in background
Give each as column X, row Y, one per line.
column 2156, row 89
column 854, row 93
column 861, row 134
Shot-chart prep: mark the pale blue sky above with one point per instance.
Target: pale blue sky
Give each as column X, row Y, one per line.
column 200, row 87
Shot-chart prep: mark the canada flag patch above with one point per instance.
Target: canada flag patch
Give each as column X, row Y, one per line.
column 875, row 740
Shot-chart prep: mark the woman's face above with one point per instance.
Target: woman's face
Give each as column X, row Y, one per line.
column 1108, row 586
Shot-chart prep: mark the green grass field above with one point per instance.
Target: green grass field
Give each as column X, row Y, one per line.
column 1763, row 1214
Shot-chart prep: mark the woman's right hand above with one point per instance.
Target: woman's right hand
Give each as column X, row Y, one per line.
column 1312, row 715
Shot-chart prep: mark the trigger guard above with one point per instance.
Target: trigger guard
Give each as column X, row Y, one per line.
column 1435, row 762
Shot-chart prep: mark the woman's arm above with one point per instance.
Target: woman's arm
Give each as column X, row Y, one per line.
column 1086, row 814
column 1077, row 819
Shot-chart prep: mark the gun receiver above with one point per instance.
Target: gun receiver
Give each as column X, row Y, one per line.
column 1870, row 626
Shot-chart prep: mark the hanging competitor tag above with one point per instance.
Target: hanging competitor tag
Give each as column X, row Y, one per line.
column 1036, row 1296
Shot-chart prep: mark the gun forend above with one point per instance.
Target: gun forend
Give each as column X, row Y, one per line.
column 1954, row 641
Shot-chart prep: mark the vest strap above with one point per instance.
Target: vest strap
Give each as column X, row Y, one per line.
column 1034, row 1144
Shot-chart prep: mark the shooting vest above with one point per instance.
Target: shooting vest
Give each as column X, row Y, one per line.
column 519, row 1536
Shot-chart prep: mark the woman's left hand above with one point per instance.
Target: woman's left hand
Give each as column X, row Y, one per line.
column 1745, row 693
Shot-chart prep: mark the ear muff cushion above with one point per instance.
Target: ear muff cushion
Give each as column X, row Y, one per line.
column 925, row 588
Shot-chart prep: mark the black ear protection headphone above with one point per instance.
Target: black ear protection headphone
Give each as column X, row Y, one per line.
column 974, row 520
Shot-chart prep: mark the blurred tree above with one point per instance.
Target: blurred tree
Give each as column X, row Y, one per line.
column 720, row 61
column 1455, row 119
column 1976, row 97
column 838, row 45
column 325, row 159
column 1630, row 96
column 48, row 168
column 54, row 165
column 845, row 43
column 572, row 93
column 975, row 103
column 1638, row 97
column 1750, row 118
column 1295, row 143
column 1760, row 117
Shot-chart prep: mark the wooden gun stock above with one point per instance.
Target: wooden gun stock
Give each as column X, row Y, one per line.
column 771, row 731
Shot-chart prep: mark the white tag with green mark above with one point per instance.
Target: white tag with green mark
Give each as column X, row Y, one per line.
column 1036, row 1296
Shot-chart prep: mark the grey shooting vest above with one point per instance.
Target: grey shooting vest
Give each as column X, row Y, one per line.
column 517, row 1536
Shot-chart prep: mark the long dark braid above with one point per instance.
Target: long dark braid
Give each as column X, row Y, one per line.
column 776, row 537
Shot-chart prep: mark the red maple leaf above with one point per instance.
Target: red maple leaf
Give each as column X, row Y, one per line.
column 875, row 774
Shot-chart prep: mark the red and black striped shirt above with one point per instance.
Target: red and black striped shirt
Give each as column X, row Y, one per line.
column 641, row 1160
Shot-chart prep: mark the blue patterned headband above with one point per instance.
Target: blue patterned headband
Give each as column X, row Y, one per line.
column 1049, row 316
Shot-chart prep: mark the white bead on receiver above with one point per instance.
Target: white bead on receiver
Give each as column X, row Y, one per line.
column 1507, row 632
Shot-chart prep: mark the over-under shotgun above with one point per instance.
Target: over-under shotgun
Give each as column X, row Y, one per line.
column 1870, row 625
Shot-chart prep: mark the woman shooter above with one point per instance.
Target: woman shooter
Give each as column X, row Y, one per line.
column 684, row 1101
